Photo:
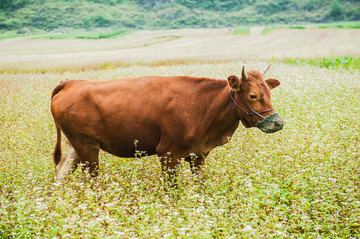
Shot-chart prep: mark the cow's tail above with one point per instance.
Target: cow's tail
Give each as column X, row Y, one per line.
column 57, row 150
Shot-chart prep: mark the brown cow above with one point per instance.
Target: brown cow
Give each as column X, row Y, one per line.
column 173, row 117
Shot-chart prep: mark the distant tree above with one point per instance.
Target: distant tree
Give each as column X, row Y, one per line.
column 309, row 5
column 336, row 11
column 153, row 3
column 109, row 2
column 5, row 4
column 357, row 14
column 11, row 4
column 100, row 21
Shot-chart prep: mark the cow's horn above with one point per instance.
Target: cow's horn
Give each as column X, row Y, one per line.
column 263, row 72
column 244, row 76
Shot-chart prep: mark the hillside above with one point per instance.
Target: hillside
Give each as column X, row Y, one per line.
column 140, row 14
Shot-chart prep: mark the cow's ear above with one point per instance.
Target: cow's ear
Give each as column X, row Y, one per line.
column 234, row 82
column 272, row 83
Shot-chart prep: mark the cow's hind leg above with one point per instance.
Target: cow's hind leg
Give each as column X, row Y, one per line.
column 88, row 152
column 79, row 151
column 68, row 163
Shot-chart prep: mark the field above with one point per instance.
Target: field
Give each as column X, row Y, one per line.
column 301, row 182
column 173, row 46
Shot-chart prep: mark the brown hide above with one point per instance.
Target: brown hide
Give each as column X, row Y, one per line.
column 173, row 117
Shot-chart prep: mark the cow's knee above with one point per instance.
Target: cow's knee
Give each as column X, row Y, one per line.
column 196, row 163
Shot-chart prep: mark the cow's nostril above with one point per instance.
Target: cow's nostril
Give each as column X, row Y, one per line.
column 279, row 123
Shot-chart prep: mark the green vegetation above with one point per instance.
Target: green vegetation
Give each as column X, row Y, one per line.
column 336, row 11
column 11, row 35
column 297, row 27
column 268, row 29
column 344, row 62
column 241, row 31
column 139, row 14
column 333, row 25
column 302, row 182
column 105, row 34
column 345, row 25
column 102, row 33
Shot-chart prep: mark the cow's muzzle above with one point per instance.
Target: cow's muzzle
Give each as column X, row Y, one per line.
column 271, row 123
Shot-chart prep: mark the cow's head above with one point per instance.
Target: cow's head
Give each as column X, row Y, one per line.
column 251, row 100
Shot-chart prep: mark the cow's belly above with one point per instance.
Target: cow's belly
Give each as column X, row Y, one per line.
column 130, row 144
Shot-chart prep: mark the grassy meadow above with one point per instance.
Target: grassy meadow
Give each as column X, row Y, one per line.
column 301, row 182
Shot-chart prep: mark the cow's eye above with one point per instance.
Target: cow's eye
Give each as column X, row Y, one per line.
column 253, row 96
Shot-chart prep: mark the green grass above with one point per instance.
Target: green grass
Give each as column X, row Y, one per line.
column 16, row 34
column 8, row 36
column 105, row 33
column 270, row 28
column 297, row 27
column 241, row 31
column 301, row 182
column 344, row 25
column 97, row 34
column 344, row 62
column 337, row 25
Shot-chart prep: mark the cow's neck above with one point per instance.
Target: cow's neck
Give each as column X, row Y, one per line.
column 219, row 120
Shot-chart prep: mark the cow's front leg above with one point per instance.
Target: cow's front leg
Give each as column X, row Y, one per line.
column 169, row 167
column 197, row 161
